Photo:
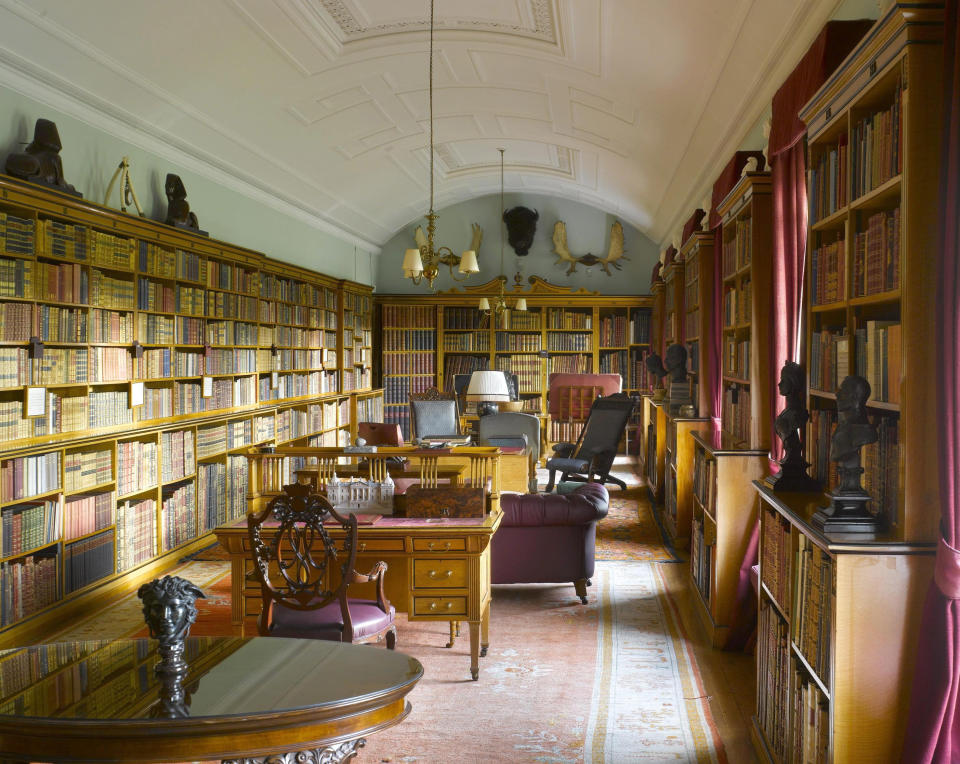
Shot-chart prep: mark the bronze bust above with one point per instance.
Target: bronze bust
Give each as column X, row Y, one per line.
column 788, row 426
column 655, row 368
column 847, row 512
column 680, row 393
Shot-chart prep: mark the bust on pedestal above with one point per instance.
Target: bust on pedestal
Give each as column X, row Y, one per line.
column 793, row 468
column 680, row 395
column 847, row 512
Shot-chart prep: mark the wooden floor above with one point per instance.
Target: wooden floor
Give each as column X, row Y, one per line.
column 728, row 678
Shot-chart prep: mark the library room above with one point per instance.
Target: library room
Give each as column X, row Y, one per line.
column 446, row 382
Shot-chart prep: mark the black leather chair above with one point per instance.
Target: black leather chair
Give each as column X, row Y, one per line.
column 593, row 453
column 304, row 574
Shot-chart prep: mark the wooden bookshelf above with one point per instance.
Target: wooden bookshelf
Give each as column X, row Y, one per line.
column 678, row 475
column 873, row 138
column 658, row 294
column 580, row 331
column 162, row 356
column 726, row 459
column 697, row 253
column 654, row 447
column 674, row 313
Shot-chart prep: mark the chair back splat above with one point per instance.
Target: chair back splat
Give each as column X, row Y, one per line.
column 305, row 565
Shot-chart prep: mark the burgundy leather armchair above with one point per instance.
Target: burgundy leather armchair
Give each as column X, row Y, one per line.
column 549, row 538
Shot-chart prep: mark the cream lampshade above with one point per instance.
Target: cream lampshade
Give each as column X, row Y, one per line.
column 412, row 261
column 468, row 262
column 521, row 304
column 484, row 304
column 489, row 386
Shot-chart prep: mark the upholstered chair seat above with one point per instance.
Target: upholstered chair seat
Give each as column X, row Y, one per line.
column 367, row 617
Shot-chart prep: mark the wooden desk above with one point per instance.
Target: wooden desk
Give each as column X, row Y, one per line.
column 248, row 698
column 439, row 568
column 445, row 471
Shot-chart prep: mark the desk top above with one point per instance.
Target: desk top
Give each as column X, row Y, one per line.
column 243, row 695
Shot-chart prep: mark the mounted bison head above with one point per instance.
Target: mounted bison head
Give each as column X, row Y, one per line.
column 521, row 226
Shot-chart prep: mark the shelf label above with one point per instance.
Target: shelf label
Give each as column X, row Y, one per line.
column 34, row 402
column 274, row 380
column 136, row 394
column 207, row 391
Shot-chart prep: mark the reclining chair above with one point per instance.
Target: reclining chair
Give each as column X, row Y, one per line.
column 595, row 449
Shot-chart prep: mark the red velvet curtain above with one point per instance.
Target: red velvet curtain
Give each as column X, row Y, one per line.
column 933, row 730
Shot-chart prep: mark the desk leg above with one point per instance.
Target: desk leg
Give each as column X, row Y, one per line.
column 485, row 631
column 475, row 650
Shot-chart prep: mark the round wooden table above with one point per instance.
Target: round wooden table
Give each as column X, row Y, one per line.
column 303, row 700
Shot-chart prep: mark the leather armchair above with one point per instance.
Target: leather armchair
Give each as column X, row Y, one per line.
column 510, row 428
column 549, row 538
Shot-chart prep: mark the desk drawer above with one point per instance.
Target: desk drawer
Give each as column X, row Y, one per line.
column 440, row 545
column 368, row 545
column 439, row 574
column 446, row 606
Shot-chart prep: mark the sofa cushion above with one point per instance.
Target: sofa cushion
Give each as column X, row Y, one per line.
column 587, row 504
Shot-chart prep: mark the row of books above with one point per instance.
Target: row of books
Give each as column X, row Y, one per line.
column 87, row 561
column 705, row 480
column 409, row 339
column 179, row 516
column 569, row 342
column 774, row 672
column 465, row 318
column 397, row 390
column 237, row 475
column 274, row 287
column 466, row 341
column 571, row 364
column 517, row 343
column 16, row 370
column 701, row 559
column 232, row 277
column 527, row 369
column 736, row 357
column 25, row 476
column 828, row 271
column 881, row 470
column 613, row 331
column 272, row 312
column 86, row 469
column 136, row 465
column 828, row 180
column 61, row 282
column 16, row 278
column 211, row 440
column 57, row 239
column 692, row 324
column 370, row 409
column 398, row 412
column 27, row 586
column 423, row 362
column 176, row 455
column 228, row 305
column 735, row 413
column 829, row 358
column 738, row 250
column 157, row 403
column 17, row 235
column 812, row 614
column 519, row 320
column 878, row 358
column 691, row 290
column 877, row 151
column 407, row 316
column 638, row 377
column 810, row 730
column 613, row 362
column 136, row 533
column 87, row 513
column 289, row 359
column 109, row 292
column 25, row 527
column 821, row 424
column 639, row 327
column 212, row 495
column 776, row 552
column 565, row 431
column 16, row 322
column 876, row 254
column 563, row 318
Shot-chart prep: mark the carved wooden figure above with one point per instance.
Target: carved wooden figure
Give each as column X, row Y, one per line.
column 40, row 162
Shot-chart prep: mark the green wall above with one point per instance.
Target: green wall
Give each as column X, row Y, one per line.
column 588, row 230
column 90, row 155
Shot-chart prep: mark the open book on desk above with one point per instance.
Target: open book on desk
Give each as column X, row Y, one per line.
column 450, row 440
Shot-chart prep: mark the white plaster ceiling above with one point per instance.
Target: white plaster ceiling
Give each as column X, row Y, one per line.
column 632, row 106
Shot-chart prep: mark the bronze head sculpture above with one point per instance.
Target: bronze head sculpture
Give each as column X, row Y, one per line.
column 521, row 226
column 169, row 608
column 655, row 368
column 788, row 426
column 676, row 362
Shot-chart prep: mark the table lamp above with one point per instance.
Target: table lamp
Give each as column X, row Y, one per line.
column 487, row 389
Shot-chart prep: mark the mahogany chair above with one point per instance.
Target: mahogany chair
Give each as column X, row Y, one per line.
column 304, row 573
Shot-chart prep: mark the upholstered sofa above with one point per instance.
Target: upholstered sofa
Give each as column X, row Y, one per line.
column 549, row 538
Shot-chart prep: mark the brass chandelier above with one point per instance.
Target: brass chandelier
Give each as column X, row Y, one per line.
column 499, row 305
column 424, row 263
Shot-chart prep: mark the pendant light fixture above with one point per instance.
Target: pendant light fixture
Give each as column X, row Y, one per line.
column 499, row 299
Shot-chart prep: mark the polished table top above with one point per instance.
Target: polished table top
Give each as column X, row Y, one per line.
column 244, row 696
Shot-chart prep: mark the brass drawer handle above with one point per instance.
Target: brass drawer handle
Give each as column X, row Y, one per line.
column 435, row 574
column 435, row 606
column 361, row 546
column 433, row 547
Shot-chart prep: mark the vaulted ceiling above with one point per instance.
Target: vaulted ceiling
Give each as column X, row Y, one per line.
column 631, row 106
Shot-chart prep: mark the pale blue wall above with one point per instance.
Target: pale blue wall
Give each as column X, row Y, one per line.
column 588, row 230
column 91, row 155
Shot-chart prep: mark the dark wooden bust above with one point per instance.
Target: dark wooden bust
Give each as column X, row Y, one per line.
column 680, row 394
column 178, row 210
column 655, row 368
